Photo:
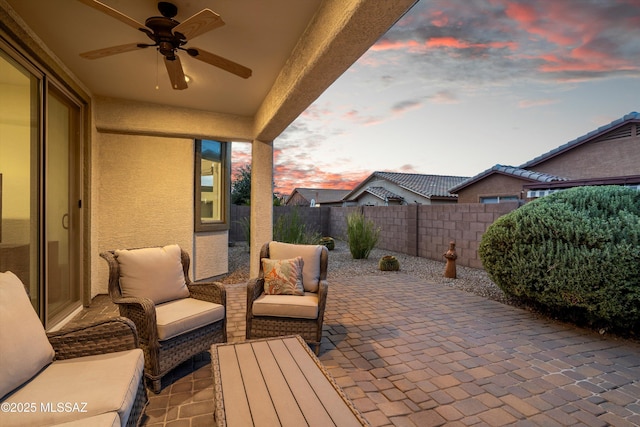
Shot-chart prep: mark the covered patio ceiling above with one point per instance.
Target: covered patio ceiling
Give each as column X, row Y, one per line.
column 295, row 49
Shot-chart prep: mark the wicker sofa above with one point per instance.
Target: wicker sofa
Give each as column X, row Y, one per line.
column 88, row 375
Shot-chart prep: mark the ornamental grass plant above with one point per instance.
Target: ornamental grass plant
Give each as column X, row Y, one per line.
column 290, row 228
column 362, row 235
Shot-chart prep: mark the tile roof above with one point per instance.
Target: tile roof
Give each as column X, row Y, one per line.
column 514, row 171
column 424, row 185
column 383, row 193
column 631, row 117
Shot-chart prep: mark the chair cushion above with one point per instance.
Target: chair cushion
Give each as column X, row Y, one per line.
column 283, row 276
column 184, row 315
column 105, row 382
column 309, row 253
column 299, row 307
column 108, row 419
column 154, row 273
column 25, row 347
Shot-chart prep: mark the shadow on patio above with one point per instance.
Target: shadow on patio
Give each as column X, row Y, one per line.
column 408, row 352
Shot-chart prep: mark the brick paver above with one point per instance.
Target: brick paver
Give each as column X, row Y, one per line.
column 411, row 353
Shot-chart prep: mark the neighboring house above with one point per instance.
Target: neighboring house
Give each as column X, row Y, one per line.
column 123, row 147
column 607, row 155
column 316, row 197
column 394, row 188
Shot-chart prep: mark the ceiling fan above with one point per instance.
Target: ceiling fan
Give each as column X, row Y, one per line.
column 169, row 36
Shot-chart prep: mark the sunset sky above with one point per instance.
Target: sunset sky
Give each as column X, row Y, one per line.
column 457, row 86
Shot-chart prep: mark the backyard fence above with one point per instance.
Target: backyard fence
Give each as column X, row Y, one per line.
column 418, row 230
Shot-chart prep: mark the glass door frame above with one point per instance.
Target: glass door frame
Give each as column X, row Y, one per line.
column 51, row 77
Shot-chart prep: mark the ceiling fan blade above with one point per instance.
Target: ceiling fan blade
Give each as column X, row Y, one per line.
column 113, row 13
column 220, row 62
column 113, row 50
column 176, row 74
column 198, row 24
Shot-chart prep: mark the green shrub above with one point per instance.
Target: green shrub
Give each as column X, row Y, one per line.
column 575, row 254
column 290, row 228
column 362, row 235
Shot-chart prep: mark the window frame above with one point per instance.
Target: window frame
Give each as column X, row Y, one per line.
column 225, row 156
column 499, row 199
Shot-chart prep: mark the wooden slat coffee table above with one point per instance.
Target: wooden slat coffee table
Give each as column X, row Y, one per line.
column 277, row 382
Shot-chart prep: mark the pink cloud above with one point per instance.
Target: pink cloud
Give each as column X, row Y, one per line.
column 446, row 42
column 395, row 45
column 522, row 13
column 287, row 178
column 452, row 42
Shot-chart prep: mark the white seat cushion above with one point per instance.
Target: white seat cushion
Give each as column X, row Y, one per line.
column 310, row 255
column 154, row 273
column 299, row 307
column 25, row 347
column 105, row 382
column 177, row 317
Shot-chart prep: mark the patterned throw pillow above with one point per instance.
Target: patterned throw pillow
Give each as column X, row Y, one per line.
column 283, row 276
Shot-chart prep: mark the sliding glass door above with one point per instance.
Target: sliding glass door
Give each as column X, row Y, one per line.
column 19, row 165
column 62, row 210
column 40, row 188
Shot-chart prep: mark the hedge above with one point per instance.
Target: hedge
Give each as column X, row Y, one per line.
column 574, row 253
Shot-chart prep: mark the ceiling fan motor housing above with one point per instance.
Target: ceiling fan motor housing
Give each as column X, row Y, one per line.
column 163, row 35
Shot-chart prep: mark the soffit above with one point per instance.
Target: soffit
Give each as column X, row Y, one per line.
column 257, row 34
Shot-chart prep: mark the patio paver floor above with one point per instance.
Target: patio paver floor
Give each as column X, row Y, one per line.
column 411, row 353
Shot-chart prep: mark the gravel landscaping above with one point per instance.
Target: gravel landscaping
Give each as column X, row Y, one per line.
column 341, row 264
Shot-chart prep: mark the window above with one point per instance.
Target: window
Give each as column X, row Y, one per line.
column 211, row 184
column 498, row 199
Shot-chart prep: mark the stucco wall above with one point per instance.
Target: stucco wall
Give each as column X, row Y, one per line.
column 143, row 196
column 596, row 159
column 493, row 185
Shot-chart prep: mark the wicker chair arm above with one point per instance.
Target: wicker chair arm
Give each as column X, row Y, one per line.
column 142, row 311
column 323, row 291
column 209, row 291
column 107, row 336
column 255, row 288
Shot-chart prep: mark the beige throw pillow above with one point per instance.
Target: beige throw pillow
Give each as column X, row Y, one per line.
column 309, row 253
column 25, row 349
column 154, row 273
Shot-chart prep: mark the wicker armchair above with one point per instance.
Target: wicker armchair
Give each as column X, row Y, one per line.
column 162, row 354
column 288, row 321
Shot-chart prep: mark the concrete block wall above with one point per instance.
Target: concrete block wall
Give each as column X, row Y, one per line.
column 463, row 223
column 417, row 230
column 426, row 230
column 398, row 227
